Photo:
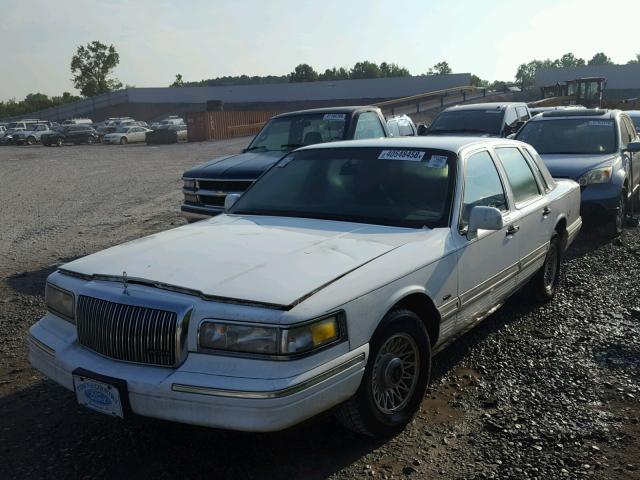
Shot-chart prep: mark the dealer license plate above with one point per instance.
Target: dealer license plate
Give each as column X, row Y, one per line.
column 98, row 396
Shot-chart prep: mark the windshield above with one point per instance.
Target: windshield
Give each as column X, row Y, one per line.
column 487, row 121
column 294, row 131
column 636, row 121
column 570, row 135
column 405, row 188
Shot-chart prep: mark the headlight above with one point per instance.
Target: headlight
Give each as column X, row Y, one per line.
column 597, row 175
column 60, row 302
column 218, row 335
column 189, row 183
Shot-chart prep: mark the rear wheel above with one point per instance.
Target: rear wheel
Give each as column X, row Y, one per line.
column 395, row 379
column 59, row 142
column 545, row 282
column 31, row 140
column 89, row 140
column 123, row 141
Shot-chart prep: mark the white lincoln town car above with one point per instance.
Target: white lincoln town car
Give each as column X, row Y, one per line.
column 331, row 282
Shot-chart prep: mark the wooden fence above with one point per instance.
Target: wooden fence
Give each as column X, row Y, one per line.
column 220, row 125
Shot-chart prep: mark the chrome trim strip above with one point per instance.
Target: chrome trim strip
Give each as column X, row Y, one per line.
column 285, row 392
column 498, row 279
column 45, row 348
column 448, row 309
column 534, row 256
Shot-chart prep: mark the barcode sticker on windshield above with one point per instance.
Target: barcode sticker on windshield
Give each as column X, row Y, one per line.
column 437, row 161
column 334, row 116
column 601, row 123
column 407, row 155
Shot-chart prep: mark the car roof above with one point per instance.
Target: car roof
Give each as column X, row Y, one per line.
column 345, row 109
column 633, row 113
column 452, row 144
column 576, row 113
column 486, row 106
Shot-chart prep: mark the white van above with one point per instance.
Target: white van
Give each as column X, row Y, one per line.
column 78, row 121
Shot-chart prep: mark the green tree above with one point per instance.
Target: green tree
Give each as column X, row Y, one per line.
column 440, row 68
column 365, row 69
column 393, row 70
column 178, row 82
column 334, row 74
column 570, row 60
column 476, row 81
column 634, row 60
column 600, row 59
column 303, row 73
column 91, row 68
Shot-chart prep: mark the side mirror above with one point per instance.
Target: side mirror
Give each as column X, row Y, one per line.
column 230, row 200
column 422, row 129
column 633, row 147
column 484, row 218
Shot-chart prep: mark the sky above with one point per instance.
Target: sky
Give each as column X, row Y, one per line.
column 157, row 39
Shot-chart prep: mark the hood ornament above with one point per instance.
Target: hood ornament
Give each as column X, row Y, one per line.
column 125, row 284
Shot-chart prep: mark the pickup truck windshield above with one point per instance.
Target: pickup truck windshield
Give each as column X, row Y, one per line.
column 383, row 186
column 570, row 136
column 487, row 121
column 293, row 131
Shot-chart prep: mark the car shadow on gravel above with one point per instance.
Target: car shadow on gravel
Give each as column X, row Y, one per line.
column 33, row 282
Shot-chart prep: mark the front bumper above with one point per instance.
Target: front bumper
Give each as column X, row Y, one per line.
column 192, row 394
column 599, row 199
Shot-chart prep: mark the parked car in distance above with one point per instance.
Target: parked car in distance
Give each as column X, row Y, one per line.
column 635, row 118
column 536, row 110
column 77, row 121
column 480, row 119
column 75, row 134
column 3, row 130
column 598, row 149
column 167, row 134
column 332, row 281
column 126, row 134
column 207, row 185
column 401, row 126
column 31, row 135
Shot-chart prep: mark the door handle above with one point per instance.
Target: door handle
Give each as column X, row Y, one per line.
column 546, row 211
column 512, row 230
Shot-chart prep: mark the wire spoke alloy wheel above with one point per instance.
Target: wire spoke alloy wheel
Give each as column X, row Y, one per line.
column 395, row 373
column 550, row 268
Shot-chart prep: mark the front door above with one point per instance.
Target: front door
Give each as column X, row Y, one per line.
column 487, row 264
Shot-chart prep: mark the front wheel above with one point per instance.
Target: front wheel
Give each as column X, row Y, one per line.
column 123, row 141
column 31, row 140
column 616, row 223
column 59, row 142
column 89, row 140
column 395, row 378
column 545, row 282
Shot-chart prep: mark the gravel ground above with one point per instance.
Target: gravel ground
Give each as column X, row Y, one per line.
column 541, row 392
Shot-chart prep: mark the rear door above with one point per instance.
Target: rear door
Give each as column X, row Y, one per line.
column 631, row 136
column 534, row 224
column 488, row 264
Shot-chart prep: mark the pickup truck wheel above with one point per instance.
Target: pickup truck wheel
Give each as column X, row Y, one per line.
column 59, row 142
column 395, row 379
column 123, row 141
column 31, row 140
column 545, row 282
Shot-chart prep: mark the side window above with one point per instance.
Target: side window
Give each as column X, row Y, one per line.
column 536, row 168
column 510, row 116
column 368, row 126
column 625, row 138
column 521, row 178
column 630, row 128
column 406, row 129
column 523, row 115
column 482, row 185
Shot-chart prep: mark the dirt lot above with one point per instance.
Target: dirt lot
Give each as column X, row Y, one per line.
column 533, row 392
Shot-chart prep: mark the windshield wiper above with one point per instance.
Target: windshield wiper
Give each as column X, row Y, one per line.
column 248, row 149
column 461, row 130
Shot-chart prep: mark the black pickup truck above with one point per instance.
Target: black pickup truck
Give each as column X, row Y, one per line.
column 207, row 185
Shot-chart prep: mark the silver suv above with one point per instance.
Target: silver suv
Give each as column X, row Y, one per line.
column 31, row 135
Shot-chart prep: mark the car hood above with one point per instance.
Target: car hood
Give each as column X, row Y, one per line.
column 574, row 165
column 248, row 165
column 272, row 261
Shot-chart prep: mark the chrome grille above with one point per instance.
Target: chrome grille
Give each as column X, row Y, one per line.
column 127, row 332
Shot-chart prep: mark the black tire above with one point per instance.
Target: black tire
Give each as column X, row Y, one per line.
column 123, row 141
column 59, row 142
column 544, row 284
column 89, row 140
column 31, row 140
column 363, row 413
column 615, row 225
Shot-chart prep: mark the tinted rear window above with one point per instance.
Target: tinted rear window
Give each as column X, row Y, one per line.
column 487, row 121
